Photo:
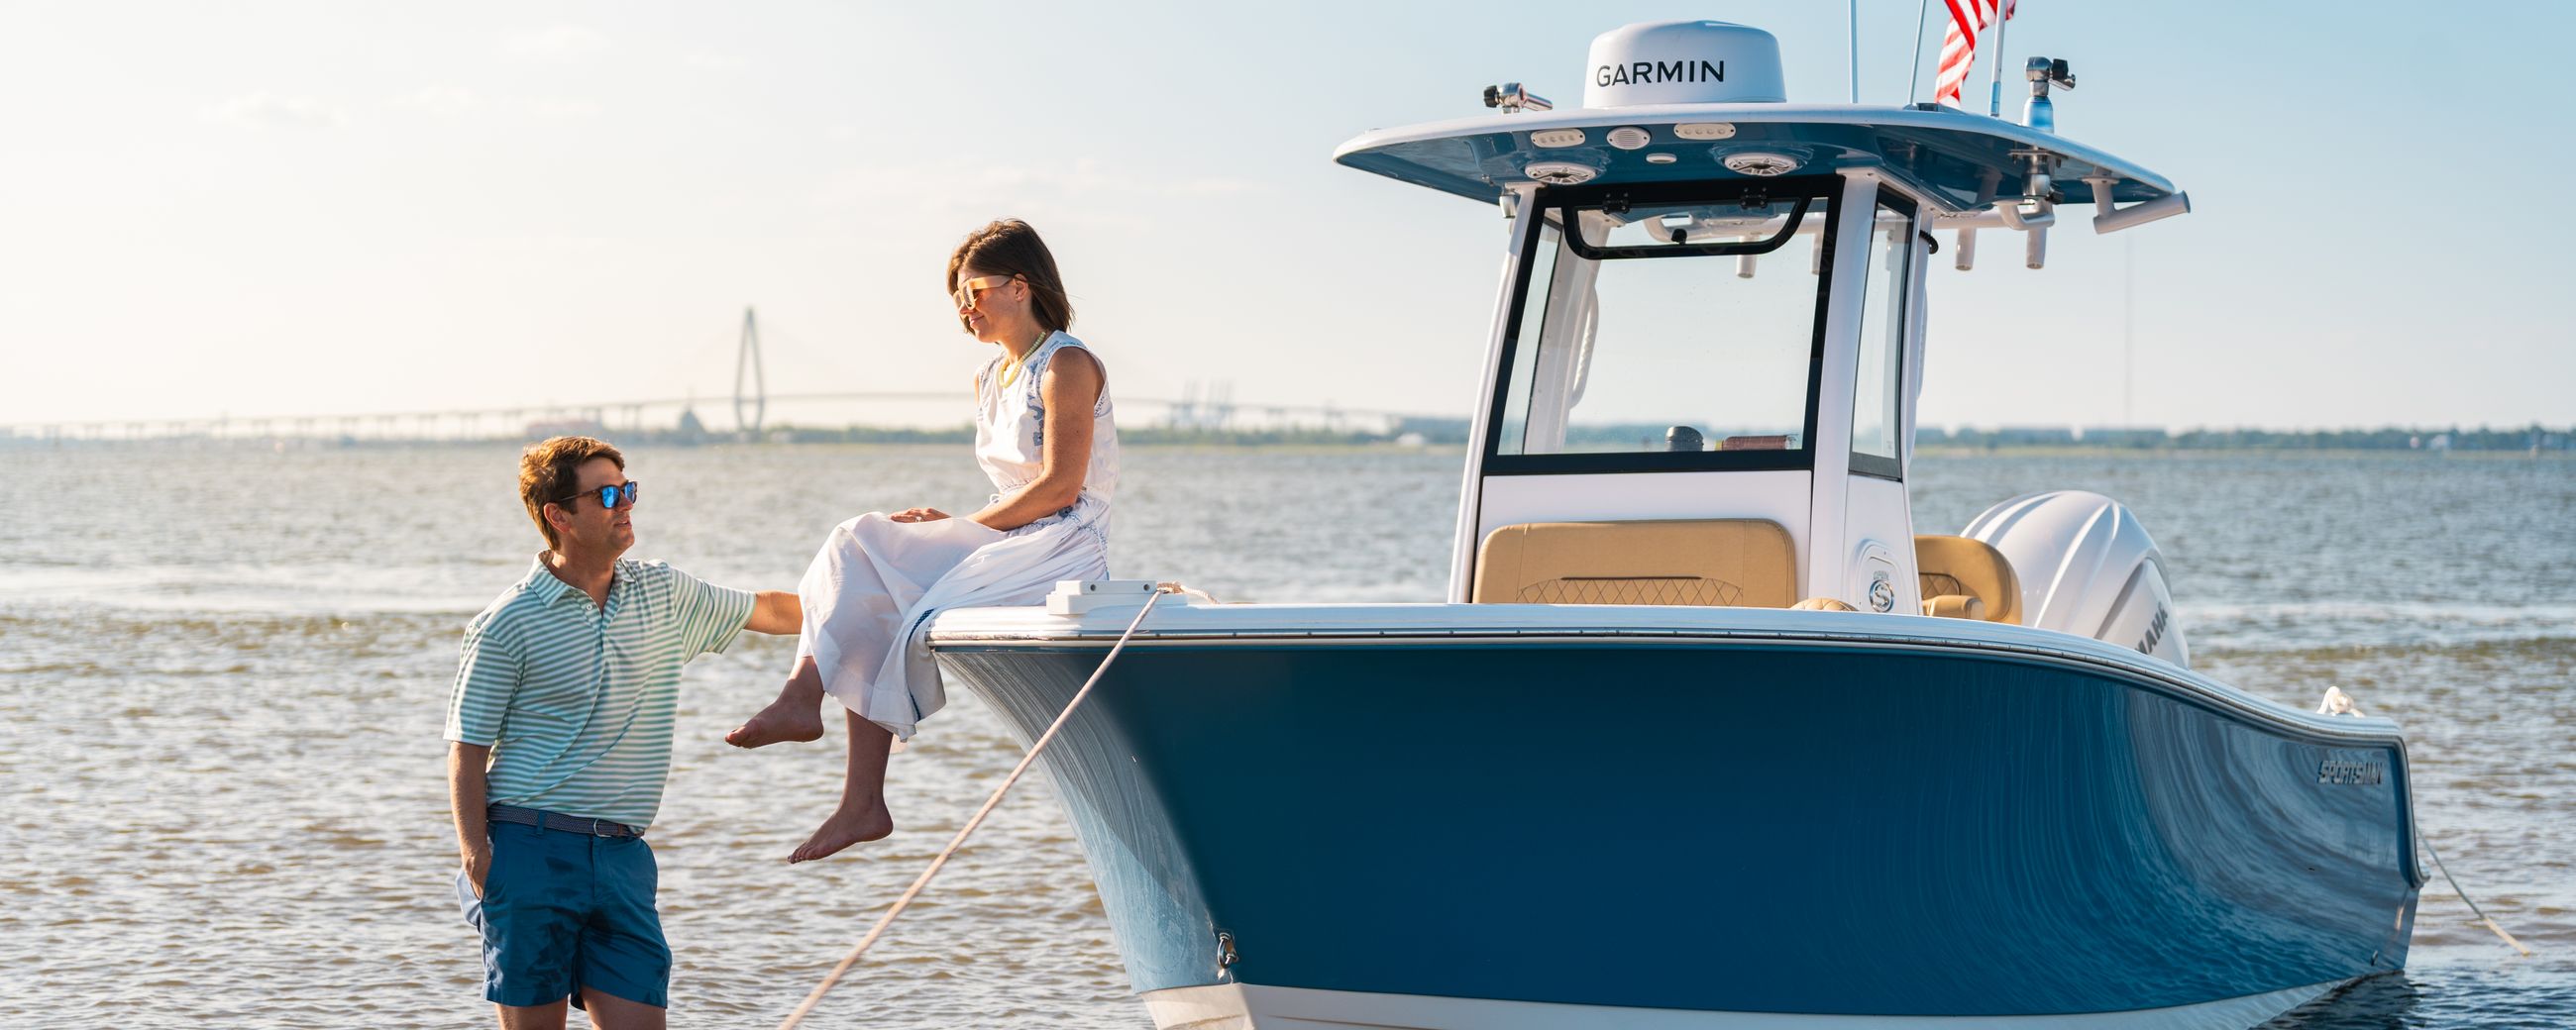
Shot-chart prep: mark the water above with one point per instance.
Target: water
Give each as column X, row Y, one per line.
column 222, row 678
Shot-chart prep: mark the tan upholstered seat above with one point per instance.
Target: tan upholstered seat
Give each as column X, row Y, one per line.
column 1966, row 579
column 1743, row 563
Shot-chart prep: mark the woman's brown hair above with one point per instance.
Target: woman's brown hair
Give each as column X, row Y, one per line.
column 1009, row 247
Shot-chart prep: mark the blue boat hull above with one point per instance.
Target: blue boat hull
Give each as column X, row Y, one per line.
column 1712, row 825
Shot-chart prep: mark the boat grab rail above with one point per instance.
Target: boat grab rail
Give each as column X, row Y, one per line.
column 1797, row 216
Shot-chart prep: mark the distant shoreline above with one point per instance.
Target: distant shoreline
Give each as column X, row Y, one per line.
column 1417, row 433
column 1300, row 444
column 1955, row 451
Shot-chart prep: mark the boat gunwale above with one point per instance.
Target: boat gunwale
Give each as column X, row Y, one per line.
column 2362, row 728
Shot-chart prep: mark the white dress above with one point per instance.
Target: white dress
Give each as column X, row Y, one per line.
column 876, row 582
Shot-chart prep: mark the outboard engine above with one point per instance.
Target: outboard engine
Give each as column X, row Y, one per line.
column 2087, row 567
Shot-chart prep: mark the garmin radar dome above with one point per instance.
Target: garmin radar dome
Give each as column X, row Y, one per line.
column 1683, row 62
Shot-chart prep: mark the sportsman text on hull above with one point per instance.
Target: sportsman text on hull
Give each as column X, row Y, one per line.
column 1683, row 62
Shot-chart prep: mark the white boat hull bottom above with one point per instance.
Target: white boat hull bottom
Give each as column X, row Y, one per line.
column 1256, row 1007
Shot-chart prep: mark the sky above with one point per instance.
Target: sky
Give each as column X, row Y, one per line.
column 282, row 208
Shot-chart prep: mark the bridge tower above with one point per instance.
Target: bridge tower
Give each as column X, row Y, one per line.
column 747, row 360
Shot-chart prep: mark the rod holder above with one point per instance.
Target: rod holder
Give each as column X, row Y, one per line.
column 2044, row 215
column 2108, row 219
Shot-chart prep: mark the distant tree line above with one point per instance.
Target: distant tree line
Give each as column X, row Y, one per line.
column 2483, row 438
column 2393, row 438
column 1142, row 435
column 1453, row 432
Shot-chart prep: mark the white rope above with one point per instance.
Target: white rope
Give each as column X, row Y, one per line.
column 2473, row 905
column 1035, row 749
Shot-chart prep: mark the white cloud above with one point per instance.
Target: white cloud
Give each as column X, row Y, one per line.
column 263, row 109
column 712, row 62
column 443, row 101
column 564, row 107
column 558, row 43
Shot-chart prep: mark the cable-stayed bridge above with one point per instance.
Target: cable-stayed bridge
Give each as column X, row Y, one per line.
column 1207, row 407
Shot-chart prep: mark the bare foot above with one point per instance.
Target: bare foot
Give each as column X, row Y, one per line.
column 847, row 826
column 785, row 719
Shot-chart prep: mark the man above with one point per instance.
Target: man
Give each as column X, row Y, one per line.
column 561, row 730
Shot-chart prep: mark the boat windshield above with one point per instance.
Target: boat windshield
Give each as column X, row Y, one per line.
column 1673, row 331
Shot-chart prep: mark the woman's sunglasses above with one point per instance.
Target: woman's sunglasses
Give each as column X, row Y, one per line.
column 970, row 292
column 619, row 496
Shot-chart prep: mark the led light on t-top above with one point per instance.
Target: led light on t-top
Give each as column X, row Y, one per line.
column 1706, row 734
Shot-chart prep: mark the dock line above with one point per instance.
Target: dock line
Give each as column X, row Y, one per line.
column 2464, row 896
column 1035, row 749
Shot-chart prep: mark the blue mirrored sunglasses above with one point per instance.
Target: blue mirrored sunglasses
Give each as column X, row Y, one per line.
column 619, row 496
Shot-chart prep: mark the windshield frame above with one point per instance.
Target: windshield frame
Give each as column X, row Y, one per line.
column 1555, row 206
column 1900, row 411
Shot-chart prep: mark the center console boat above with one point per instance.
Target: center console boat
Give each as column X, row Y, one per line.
column 1708, row 733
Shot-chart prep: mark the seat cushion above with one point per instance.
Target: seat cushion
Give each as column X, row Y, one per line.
column 1745, row 563
column 1956, row 566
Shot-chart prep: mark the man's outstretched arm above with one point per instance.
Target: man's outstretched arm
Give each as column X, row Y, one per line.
column 776, row 611
column 468, row 766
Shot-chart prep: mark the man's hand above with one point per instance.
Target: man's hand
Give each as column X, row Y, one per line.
column 918, row 515
column 478, row 864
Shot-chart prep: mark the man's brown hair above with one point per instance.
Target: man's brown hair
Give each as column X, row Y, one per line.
column 1009, row 247
column 551, row 469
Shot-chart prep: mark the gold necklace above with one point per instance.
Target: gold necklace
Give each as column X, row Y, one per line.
column 1011, row 368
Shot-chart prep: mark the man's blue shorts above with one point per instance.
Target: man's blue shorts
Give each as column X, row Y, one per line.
column 562, row 910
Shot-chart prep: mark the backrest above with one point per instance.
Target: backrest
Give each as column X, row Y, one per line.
column 1958, row 567
column 1741, row 563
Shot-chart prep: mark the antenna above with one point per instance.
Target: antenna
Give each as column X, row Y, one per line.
column 1851, row 27
column 1914, row 68
column 1995, row 94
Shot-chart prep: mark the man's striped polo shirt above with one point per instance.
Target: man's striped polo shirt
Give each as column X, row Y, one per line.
column 576, row 700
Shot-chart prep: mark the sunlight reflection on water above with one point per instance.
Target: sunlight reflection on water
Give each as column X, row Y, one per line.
column 219, row 726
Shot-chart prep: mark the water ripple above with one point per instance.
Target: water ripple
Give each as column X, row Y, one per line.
column 222, row 746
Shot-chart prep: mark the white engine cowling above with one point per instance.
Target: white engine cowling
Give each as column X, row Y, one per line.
column 2087, row 567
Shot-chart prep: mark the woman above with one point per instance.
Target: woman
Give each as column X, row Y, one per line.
column 1043, row 433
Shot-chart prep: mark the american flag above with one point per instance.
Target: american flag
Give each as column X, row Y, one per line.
column 1968, row 19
